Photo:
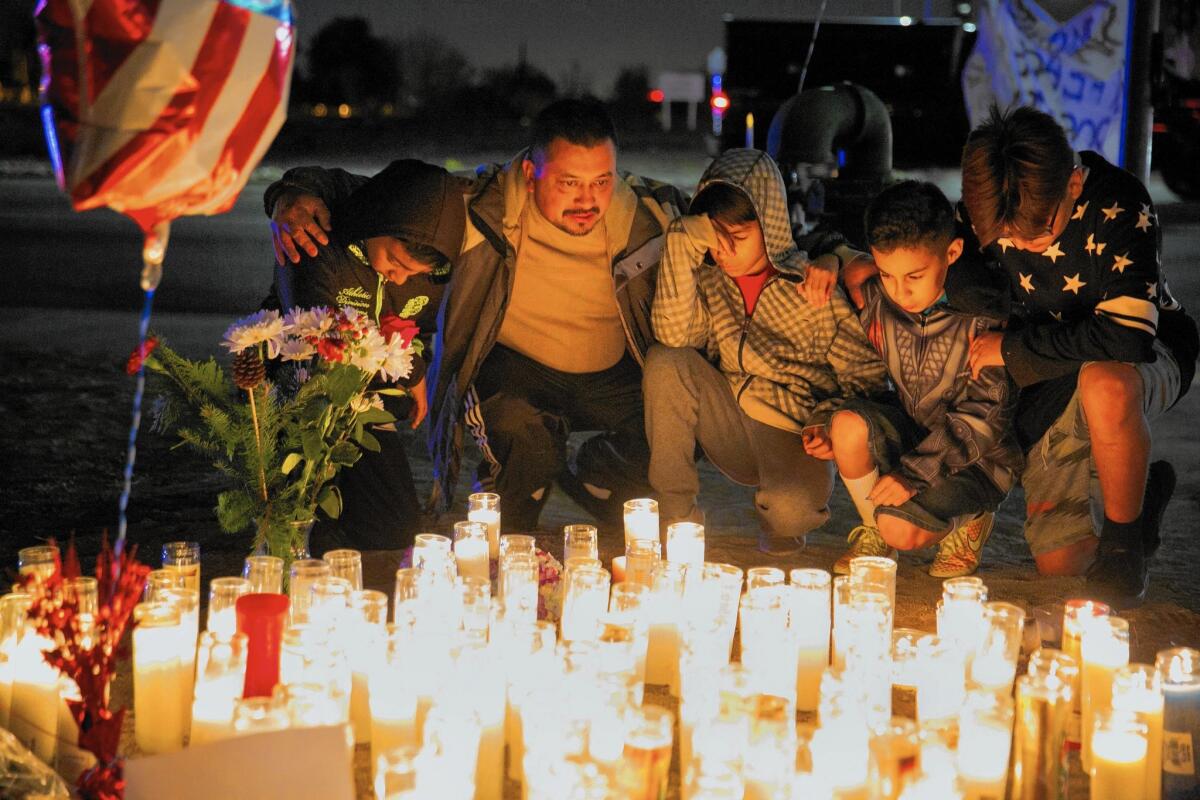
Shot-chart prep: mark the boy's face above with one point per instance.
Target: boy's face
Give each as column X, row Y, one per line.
column 572, row 184
column 915, row 277
column 391, row 259
column 740, row 248
column 1057, row 221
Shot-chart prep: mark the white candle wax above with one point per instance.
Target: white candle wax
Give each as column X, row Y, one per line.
column 641, row 523
column 223, row 622
column 472, row 558
column 161, row 686
column 1118, row 765
column 212, row 711
column 490, row 704
column 685, row 544
column 662, row 655
column 69, row 758
column 983, row 760
column 360, row 706
column 581, row 614
column 993, row 670
column 812, row 661
column 393, row 714
column 33, row 716
column 1102, row 655
column 491, row 518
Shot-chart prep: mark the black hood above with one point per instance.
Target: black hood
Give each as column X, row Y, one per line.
column 411, row 200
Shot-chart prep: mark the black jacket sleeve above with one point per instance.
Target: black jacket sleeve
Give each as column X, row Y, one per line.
column 328, row 184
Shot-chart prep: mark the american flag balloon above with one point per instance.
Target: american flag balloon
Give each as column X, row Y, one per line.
column 161, row 108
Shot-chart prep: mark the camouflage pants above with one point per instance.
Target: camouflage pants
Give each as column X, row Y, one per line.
column 1063, row 502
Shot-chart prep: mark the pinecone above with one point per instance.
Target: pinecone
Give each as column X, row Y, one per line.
column 248, row 369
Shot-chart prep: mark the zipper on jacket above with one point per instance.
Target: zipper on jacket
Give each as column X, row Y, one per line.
column 633, row 349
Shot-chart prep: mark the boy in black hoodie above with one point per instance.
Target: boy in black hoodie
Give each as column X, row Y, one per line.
column 388, row 256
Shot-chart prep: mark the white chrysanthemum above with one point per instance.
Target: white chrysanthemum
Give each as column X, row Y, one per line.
column 293, row 349
column 366, row 401
column 263, row 327
column 369, row 352
column 307, row 322
column 398, row 362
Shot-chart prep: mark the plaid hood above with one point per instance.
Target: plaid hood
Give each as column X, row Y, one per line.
column 756, row 174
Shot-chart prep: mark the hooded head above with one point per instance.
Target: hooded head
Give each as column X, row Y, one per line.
column 410, row 219
column 743, row 193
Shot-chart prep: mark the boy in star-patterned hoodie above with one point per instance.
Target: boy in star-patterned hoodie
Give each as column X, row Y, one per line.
column 1097, row 343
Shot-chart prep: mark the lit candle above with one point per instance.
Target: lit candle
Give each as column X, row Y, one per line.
column 488, row 686
column 641, row 557
column 367, row 633
column 586, row 599
column 810, row 615
column 685, row 543
column 485, row 507
column 664, row 606
column 618, row 569
column 393, row 697
column 265, row 574
column 940, row 685
column 188, row 602
column 1075, row 614
column 1137, row 689
column 984, row 740
column 12, row 622
column 471, row 549
column 69, row 758
column 1118, row 755
column 183, row 558
column 161, row 680
column 646, row 760
column 960, row 622
column 580, row 541
column 222, row 603
column 906, row 670
column 641, row 519
column 1043, row 707
column 1179, row 671
column 35, row 697
column 1105, row 647
column 220, row 680
column 345, row 563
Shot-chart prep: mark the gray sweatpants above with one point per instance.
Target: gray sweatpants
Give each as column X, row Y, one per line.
column 689, row 402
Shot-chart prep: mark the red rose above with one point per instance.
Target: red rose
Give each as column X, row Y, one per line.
column 393, row 324
column 331, row 349
column 138, row 357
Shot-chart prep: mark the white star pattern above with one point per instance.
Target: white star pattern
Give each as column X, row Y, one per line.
column 1080, row 211
column 1151, row 290
column 1121, row 262
column 957, row 215
column 1073, row 284
column 1053, row 252
column 1026, row 282
column 1005, row 243
column 1145, row 218
column 1094, row 246
column 1111, row 212
column 1057, row 315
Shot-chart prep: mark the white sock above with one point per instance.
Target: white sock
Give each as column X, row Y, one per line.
column 859, row 488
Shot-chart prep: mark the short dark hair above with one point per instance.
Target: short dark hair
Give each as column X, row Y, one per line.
column 909, row 214
column 427, row 255
column 724, row 203
column 582, row 121
column 1015, row 170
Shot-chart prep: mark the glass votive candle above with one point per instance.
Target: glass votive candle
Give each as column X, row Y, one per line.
column 641, row 519
column 159, row 580
column 41, row 560
column 763, row 577
column 685, row 543
column 941, row 685
column 345, row 563
column 585, row 600
column 520, row 587
column 1137, row 689
column 641, row 556
column 431, row 551
column 646, row 760
column 514, row 544
column 665, row 607
column 162, row 679
column 994, row 663
column 184, row 558
column 729, row 579
column 905, row 670
column 809, row 624
column 1076, row 612
column 984, row 740
column 1119, row 747
column 1105, row 648
column 330, row 598
column 223, row 594
column 1039, row 752
column 220, row 680
column 960, row 622
column 265, row 574
column 405, row 591
column 580, row 541
column 260, row 715
column 471, row 549
column 1179, row 672
column 304, row 574
column 476, row 595
column 876, row 572
column 895, row 756
column 485, row 507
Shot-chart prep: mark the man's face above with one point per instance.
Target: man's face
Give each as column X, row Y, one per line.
column 915, row 277
column 391, row 259
column 1057, row 223
column 740, row 248
column 572, row 184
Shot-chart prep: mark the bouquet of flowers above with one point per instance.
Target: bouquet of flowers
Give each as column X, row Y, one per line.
column 304, row 395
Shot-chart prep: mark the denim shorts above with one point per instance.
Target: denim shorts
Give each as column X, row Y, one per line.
column 942, row 506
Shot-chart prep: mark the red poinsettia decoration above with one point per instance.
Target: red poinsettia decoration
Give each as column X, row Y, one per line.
column 87, row 651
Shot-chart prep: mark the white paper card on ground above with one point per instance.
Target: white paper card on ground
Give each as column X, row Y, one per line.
column 299, row 764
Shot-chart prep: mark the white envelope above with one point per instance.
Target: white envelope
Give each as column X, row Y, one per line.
column 295, row 764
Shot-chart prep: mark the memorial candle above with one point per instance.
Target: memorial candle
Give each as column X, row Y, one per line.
column 484, row 507
column 641, row 519
column 1118, row 755
column 580, row 541
column 1105, row 647
column 471, row 549
column 1075, row 614
column 1179, row 671
column 685, row 543
column 183, row 558
column 220, row 680
column 809, row 624
column 33, row 718
column 161, row 679
column 1137, row 689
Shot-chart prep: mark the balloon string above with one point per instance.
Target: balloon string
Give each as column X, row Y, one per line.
column 131, row 451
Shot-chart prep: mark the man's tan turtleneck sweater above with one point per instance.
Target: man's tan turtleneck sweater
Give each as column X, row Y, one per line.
column 563, row 309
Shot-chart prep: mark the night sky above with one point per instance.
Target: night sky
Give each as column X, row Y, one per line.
column 601, row 35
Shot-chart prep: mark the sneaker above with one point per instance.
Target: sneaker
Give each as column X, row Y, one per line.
column 864, row 541
column 1160, row 485
column 958, row 554
column 1119, row 575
